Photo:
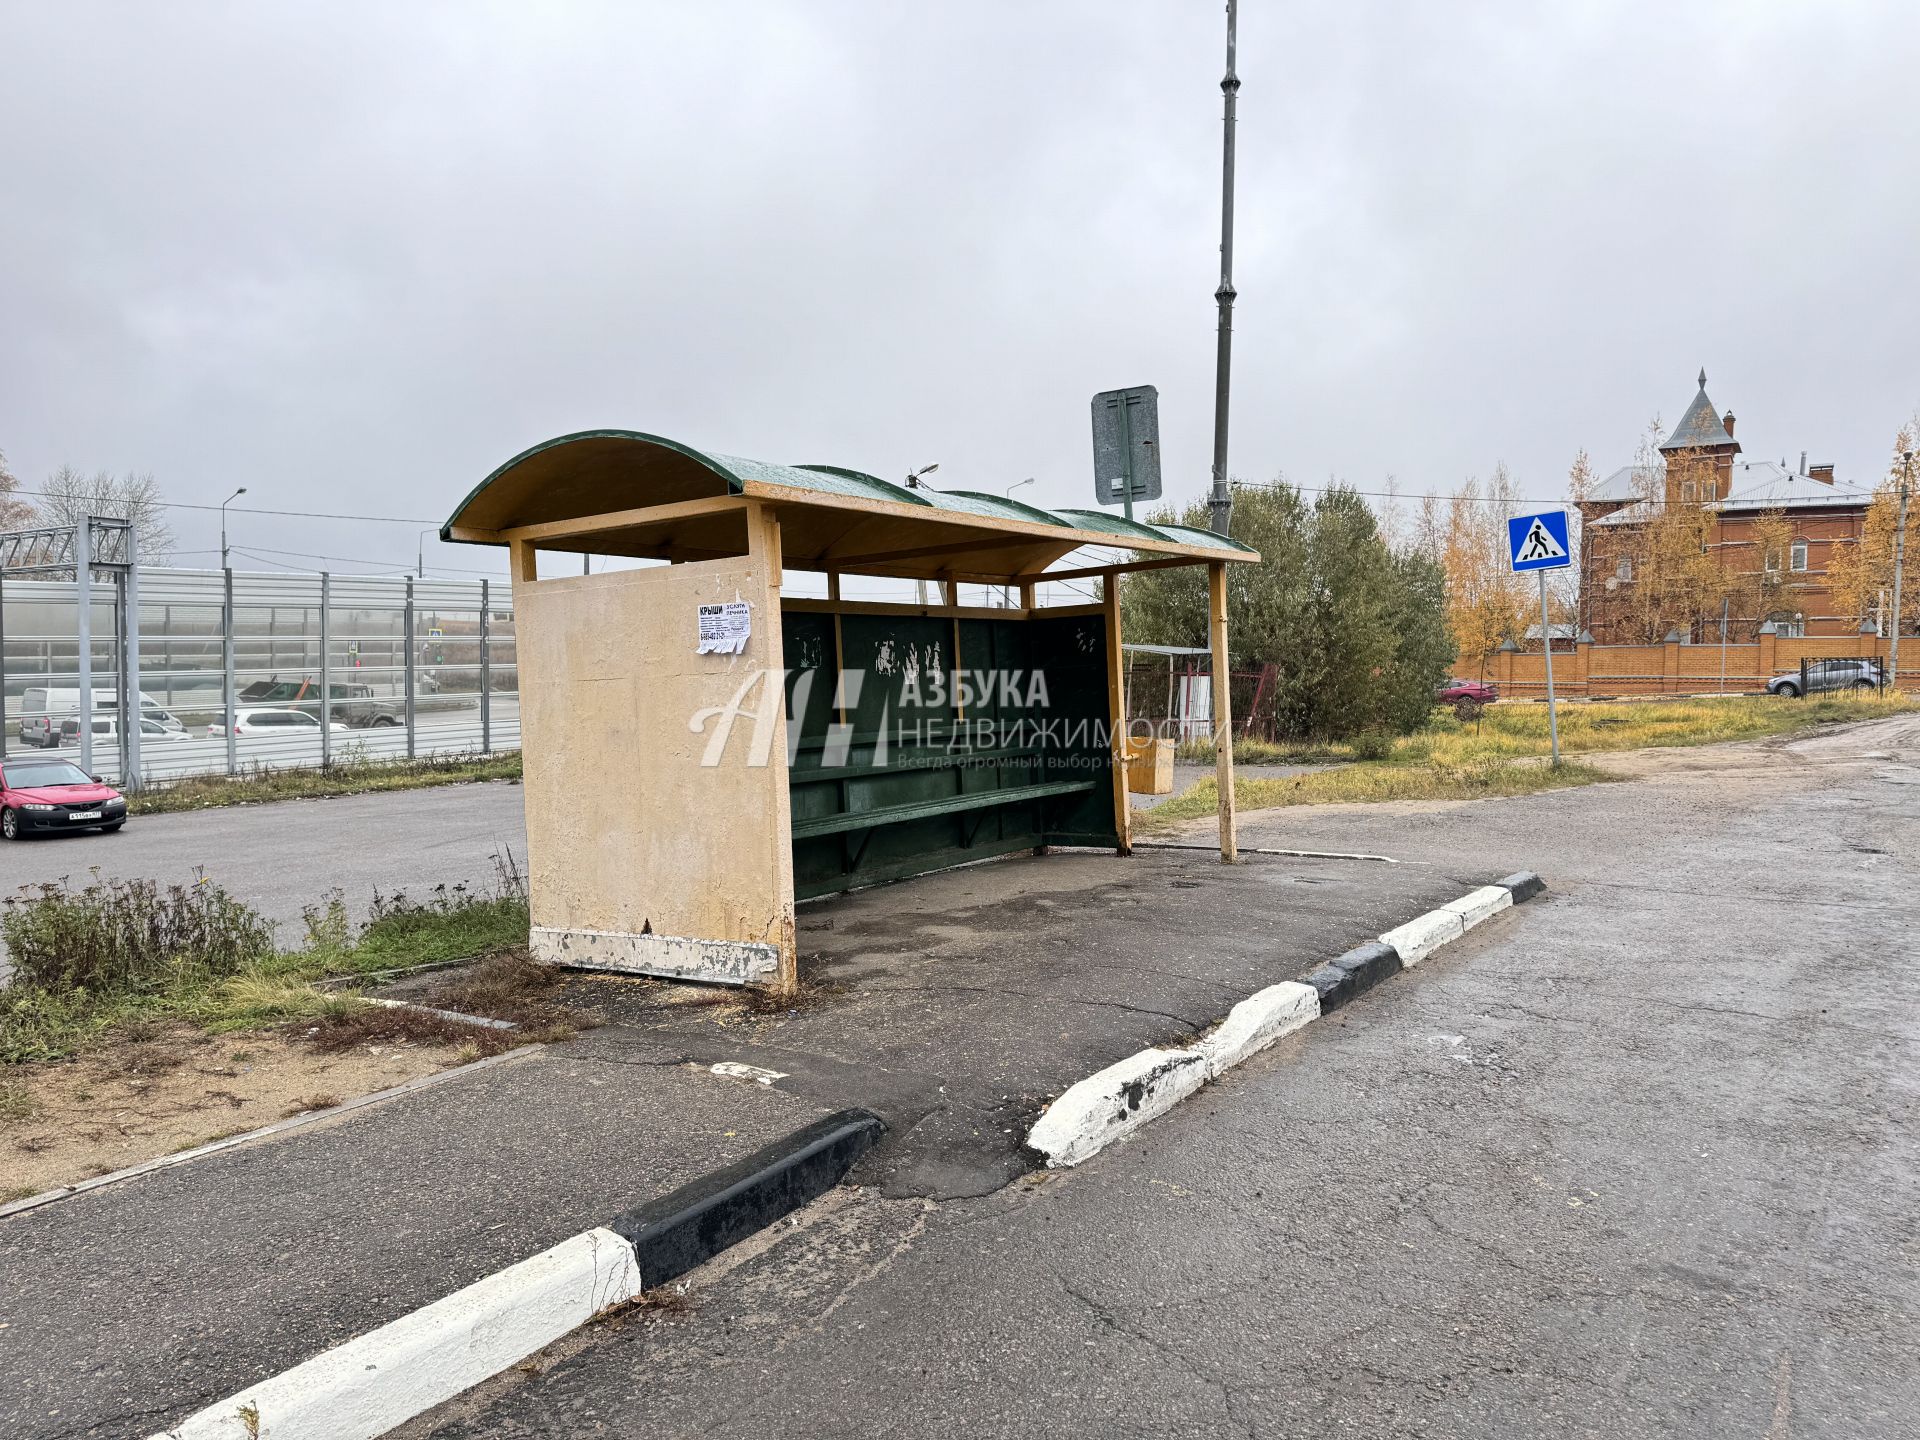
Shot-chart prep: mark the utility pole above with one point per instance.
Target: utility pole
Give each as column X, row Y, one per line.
column 915, row 481
column 1899, row 561
column 223, row 524
column 1221, row 503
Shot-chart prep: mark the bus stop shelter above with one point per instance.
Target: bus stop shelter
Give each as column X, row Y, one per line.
column 701, row 752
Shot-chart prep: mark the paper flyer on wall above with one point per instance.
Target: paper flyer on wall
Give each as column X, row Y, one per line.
column 724, row 628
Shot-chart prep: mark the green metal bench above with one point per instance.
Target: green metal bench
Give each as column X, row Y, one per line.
column 930, row 809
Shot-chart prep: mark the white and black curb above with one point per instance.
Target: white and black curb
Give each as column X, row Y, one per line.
column 1118, row 1100
column 384, row 1378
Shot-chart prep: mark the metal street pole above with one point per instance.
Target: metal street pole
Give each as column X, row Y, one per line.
column 326, row 670
column 1899, row 562
column 486, row 672
column 1546, row 637
column 1221, row 503
column 226, row 667
column 132, row 774
column 224, row 563
column 83, row 595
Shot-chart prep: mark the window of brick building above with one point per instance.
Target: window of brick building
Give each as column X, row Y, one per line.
column 1624, row 570
column 1799, row 555
column 1686, row 490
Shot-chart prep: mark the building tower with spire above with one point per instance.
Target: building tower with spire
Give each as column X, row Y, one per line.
column 1699, row 453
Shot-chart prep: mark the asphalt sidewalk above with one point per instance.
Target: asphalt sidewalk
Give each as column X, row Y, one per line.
column 954, row 1006
column 130, row 1306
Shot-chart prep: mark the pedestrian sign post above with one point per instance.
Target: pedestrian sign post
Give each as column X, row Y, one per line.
column 1538, row 542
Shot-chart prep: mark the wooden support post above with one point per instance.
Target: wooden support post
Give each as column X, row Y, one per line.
column 1026, row 594
column 1117, row 712
column 763, row 545
column 521, row 561
column 833, row 585
column 1222, row 687
column 950, row 593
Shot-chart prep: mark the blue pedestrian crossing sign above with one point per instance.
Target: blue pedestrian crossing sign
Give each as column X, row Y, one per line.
column 1539, row 542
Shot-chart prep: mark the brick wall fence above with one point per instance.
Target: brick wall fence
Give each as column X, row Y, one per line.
column 1677, row 669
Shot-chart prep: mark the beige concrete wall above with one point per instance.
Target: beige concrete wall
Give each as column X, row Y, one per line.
column 641, row 854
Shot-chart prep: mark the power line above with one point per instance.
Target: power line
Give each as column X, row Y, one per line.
column 359, row 560
column 237, row 509
column 1392, row 494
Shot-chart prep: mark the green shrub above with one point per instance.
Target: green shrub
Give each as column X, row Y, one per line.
column 1372, row 745
column 129, row 937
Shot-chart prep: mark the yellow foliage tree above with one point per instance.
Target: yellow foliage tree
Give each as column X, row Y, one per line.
column 1486, row 602
column 1861, row 576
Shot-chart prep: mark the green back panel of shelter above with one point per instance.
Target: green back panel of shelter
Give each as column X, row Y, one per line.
column 963, row 740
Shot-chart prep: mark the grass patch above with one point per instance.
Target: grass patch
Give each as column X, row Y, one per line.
column 127, row 957
column 1372, row 783
column 1498, row 753
column 365, row 1024
column 353, row 776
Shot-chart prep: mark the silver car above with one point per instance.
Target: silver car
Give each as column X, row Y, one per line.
column 1821, row 675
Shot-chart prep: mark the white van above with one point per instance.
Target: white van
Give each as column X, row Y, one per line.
column 42, row 708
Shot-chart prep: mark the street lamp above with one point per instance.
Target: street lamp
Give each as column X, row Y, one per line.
column 223, row 523
column 420, row 554
column 1006, row 591
column 913, row 483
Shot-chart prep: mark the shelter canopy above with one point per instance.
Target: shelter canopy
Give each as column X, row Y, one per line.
column 620, row 492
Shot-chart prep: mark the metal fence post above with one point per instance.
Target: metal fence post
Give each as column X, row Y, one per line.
column 486, row 673
column 130, row 704
column 83, row 624
column 3, row 663
column 407, row 632
column 226, row 670
column 326, row 671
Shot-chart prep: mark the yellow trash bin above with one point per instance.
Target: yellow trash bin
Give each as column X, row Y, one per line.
column 1149, row 766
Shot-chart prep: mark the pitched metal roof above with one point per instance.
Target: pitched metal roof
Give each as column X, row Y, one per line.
column 1629, row 482
column 1701, row 426
column 1767, row 485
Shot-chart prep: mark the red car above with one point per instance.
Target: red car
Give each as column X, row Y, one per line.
column 37, row 796
column 1456, row 690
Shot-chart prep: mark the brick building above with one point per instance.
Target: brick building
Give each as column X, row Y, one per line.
column 1740, row 501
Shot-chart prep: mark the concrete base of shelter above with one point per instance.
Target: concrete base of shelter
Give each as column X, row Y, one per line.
column 674, row 957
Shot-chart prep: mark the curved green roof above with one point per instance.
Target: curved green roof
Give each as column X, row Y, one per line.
column 593, row 472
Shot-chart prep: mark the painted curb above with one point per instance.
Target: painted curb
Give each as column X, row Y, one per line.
column 384, row 1378
column 365, row 1387
column 1353, row 974
column 1256, row 1022
column 1481, row 904
column 1093, row 1113
column 1420, row 937
column 1523, row 885
column 673, row 1234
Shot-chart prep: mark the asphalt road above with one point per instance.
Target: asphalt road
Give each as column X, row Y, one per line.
column 1635, row 1160
column 285, row 856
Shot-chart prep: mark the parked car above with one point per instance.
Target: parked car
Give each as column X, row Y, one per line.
column 1456, row 690
column 272, row 722
column 41, row 795
column 41, row 708
column 107, row 728
column 352, row 705
column 1824, row 675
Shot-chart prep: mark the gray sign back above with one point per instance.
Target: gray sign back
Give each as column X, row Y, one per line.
column 1126, row 445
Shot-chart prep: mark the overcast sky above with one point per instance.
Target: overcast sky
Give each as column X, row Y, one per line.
column 354, row 255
